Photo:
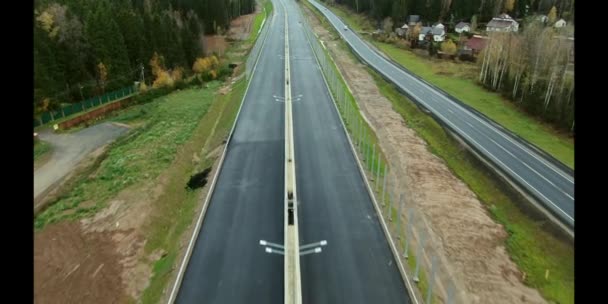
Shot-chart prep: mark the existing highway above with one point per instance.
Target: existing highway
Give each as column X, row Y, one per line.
column 545, row 181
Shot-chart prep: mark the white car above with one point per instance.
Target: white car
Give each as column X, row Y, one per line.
column 346, row 28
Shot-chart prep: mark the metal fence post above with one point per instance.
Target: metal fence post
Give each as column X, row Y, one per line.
column 408, row 232
column 359, row 132
column 450, row 296
column 399, row 215
column 373, row 158
column 348, row 112
column 378, row 170
column 431, row 281
column 346, row 104
column 419, row 256
column 391, row 198
column 367, row 143
column 384, row 187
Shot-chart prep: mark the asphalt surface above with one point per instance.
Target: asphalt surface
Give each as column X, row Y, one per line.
column 357, row 265
column 550, row 185
column 69, row 149
column 227, row 264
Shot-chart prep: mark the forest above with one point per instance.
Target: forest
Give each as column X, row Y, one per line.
column 456, row 10
column 83, row 48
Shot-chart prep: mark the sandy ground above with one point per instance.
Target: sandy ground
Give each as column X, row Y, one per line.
column 239, row 30
column 69, row 149
column 241, row 27
column 72, row 267
column 215, row 44
column 469, row 244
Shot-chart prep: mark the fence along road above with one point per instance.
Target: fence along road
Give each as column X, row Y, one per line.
column 528, row 169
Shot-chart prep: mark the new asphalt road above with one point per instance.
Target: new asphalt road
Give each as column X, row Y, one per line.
column 548, row 183
column 227, row 265
column 357, row 265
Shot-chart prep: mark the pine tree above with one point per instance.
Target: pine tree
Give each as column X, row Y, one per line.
column 132, row 28
column 108, row 46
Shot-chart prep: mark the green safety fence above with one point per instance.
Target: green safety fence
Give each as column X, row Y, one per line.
column 68, row 110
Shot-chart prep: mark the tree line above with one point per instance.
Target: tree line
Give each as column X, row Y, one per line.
column 535, row 69
column 83, row 48
column 456, row 10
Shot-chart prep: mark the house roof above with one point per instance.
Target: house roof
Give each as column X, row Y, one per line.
column 438, row 24
column 476, row 42
column 413, row 18
column 438, row 31
column 563, row 37
column 462, row 25
column 405, row 26
column 500, row 23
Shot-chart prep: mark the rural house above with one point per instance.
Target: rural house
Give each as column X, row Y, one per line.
column 462, row 27
column 502, row 23
column 401, row 31
column 560, row 23
column 437, row 31
column 473, row 46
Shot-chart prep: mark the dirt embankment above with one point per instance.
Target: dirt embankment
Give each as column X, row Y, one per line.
column 239, row 31
column 469, row 242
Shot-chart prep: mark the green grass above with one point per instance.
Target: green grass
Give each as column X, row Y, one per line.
column 257, row 22
column 175, row 208
column 161, row 269
column 41, row 148
column 142, row 155
column 459, row 80
column 530, row 243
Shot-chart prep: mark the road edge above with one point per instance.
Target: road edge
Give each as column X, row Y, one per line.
column 201, row 218
column 407, row 282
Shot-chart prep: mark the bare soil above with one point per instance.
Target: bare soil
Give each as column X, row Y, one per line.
column 241, row 27
column 215, row 44
column 73, row 267
column 470, row 244
column 239, row 31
